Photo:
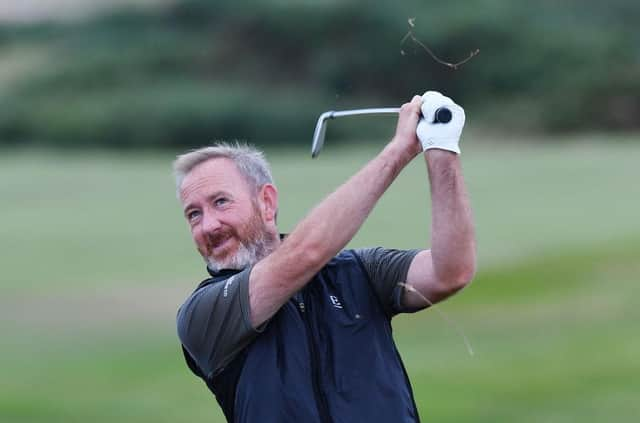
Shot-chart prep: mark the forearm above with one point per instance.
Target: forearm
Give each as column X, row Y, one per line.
column 453, row 246
column 330, row 226
column 334, row 222
column 321, row 234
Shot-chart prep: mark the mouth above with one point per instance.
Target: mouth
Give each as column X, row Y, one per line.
column 218, row 247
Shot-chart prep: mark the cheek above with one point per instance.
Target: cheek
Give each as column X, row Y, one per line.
column 198, row 238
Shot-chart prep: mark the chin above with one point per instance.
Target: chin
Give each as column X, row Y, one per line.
column 217, row 265
column 246, row 254
column 238, row 260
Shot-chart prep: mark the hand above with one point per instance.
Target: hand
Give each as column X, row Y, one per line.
column 444, row 136
column 406, row 129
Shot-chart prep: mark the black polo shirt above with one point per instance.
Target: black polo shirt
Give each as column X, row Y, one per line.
column 327, row 355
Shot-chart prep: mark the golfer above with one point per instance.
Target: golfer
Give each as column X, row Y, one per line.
column 294, row 328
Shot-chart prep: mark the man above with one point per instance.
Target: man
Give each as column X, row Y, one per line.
column 292, row 329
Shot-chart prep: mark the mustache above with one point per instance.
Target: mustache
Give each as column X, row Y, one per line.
column 212, row 240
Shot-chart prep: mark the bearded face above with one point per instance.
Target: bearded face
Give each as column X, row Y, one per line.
column 232, row 225
column 239, row 248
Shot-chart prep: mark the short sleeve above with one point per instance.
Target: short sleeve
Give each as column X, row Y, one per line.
column 214, row 323
column 386, row 268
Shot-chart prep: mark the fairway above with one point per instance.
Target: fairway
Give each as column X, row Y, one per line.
column 96, row 258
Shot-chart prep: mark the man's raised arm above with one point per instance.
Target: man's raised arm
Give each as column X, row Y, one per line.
column 332, row 224
column 451, row 262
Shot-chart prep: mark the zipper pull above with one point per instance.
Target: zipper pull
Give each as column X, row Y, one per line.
column 301, row 306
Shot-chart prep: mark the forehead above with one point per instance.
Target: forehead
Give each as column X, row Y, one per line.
column 218, row 174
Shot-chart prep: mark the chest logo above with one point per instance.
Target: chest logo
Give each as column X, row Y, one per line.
column 335, row 301
column 225, row 290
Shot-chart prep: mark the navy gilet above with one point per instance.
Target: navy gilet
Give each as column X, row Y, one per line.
column 326, row 356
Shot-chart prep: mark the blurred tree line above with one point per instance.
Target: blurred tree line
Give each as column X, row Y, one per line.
column 201, row 70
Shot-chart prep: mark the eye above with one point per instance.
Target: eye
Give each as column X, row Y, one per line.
column 192, row 215
column 220, row 201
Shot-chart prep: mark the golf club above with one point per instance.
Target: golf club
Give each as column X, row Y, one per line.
column 442, row 115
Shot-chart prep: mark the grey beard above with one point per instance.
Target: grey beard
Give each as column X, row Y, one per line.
column 248, row 254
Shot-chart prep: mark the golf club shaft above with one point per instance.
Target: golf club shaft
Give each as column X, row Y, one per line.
column 378, row 110
column 442, row 115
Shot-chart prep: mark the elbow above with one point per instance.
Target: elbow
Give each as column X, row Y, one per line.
column 465, row 270
column 459, row 277
column 464, row 278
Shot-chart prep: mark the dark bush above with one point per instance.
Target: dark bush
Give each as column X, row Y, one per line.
column 200, row 70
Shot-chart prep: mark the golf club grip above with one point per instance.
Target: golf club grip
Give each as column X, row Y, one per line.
column 442, row 115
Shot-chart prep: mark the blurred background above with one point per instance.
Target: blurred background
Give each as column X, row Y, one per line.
column 97, row 98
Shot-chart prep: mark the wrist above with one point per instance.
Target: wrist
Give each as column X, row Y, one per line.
column 437, row 156
column 402, row 150
column 441, row 144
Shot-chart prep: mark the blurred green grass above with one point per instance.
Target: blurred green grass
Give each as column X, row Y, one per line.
column 96, row 258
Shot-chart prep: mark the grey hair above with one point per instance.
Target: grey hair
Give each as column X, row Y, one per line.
column 250, row 161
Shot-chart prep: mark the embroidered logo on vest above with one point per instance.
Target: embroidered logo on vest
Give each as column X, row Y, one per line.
column 227, row 284
column 335, row 301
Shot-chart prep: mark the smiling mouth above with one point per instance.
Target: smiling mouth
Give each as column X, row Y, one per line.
column 219, row 246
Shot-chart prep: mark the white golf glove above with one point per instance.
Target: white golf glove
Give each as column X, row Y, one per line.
column 444, row 136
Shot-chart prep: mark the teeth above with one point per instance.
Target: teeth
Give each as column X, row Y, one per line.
column 217, row 244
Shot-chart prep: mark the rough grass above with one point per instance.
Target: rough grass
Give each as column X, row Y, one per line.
column 95, row 259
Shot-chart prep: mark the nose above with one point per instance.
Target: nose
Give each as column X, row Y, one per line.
column 210, row 222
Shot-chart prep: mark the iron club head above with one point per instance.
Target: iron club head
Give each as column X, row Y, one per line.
column 318, row 134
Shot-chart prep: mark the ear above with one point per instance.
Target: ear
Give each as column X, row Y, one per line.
column 268, row 198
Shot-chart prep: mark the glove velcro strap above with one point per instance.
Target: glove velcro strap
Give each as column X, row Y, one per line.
column 449, row 144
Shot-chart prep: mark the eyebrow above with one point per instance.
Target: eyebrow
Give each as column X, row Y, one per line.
column 209, row 198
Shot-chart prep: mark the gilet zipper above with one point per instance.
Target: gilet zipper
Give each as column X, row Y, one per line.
column 321, row 400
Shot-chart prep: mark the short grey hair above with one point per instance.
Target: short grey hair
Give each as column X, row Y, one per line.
column 250, row 161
